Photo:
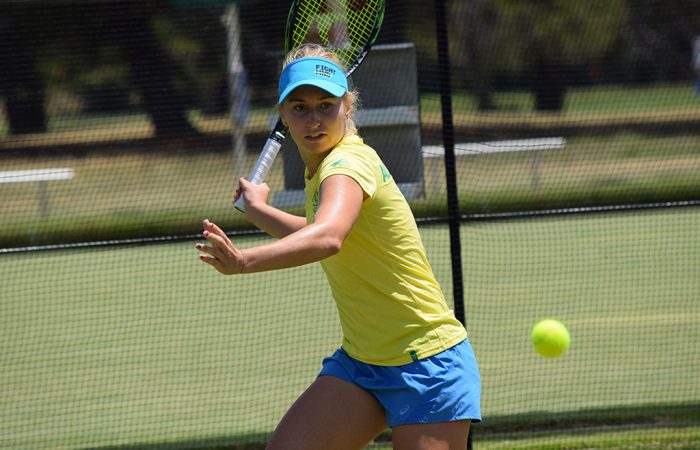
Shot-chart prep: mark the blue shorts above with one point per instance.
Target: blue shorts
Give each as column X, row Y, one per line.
column 442, row 388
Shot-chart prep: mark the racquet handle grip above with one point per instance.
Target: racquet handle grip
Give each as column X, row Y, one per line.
column 262, row 165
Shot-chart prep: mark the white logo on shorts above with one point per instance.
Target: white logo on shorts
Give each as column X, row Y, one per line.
column 404, row 410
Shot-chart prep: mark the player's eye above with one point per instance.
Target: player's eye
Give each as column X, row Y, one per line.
column 327, row 106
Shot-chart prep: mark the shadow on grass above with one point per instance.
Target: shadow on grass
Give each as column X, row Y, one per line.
column 677, row 414
column 240, row 442
column 527, row 425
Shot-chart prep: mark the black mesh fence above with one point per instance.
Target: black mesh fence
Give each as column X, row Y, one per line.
column 123, row 124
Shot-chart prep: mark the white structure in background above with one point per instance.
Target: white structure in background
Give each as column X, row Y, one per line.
column 533, row 145
column 41, row 176
column 238, row 86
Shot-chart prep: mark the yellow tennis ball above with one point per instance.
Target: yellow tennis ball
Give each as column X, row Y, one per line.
column 550, row 338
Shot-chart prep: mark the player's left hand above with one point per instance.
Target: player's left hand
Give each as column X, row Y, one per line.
column 221, row 254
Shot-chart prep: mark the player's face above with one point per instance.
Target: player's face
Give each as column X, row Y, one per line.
column 316, row 120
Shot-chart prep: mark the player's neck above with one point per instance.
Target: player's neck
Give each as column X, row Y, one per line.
column 312, row 161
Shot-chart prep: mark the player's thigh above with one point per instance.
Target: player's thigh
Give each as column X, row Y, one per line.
column 331, row 414
column 431, row 436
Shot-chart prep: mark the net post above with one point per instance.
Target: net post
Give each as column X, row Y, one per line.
column 453, row 215
column 450, row 170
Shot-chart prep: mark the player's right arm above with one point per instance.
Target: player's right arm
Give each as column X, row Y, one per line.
column 273, row 221
column 341, row 201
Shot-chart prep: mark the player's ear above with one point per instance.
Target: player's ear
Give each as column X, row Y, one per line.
column 347, row 102
column 280, row 111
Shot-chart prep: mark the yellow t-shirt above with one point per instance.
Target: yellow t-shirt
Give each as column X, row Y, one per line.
column 392, row 310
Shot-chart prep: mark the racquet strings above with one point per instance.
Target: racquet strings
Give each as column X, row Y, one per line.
column 347, row 27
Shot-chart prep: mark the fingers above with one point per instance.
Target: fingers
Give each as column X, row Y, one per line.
column 239, row 190
column 221, row 254
column 214, row 257
column 210, row 228
column 212, row 262
column 217, row 237
column 237, row 195
column 210, row 254
column 209, row 251
column 254, row 194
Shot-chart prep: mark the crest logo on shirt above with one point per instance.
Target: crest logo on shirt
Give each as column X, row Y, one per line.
column 340, row 163
column 385, row 173
column 314, row 201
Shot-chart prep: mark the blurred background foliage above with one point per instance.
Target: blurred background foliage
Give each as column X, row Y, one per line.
column 169, row 57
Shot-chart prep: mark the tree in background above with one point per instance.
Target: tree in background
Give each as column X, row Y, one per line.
column 164, row 59
column 542, row 39
column 20, row 82
column 550, row 36
column 47, row 44
column 474, row 27
column 656, row 41
column 151, row 69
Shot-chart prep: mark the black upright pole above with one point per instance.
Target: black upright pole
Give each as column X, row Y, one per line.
column 450, row 171
column 453, row 215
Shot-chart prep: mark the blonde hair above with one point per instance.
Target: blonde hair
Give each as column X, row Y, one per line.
column 351, row 96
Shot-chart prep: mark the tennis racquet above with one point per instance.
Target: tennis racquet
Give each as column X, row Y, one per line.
column 346, row 27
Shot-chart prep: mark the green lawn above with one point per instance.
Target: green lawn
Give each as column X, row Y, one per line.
column 144, row 344
column 603, row 437
column 132, row 195
column 584, row 101
column 129, row 194
column 129, row 345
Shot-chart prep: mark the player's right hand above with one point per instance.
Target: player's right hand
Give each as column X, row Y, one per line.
column 253, row 194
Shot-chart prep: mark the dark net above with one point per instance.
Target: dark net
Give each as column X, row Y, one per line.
column 124, row 124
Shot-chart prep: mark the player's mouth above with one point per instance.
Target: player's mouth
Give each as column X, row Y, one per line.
column 314, row 137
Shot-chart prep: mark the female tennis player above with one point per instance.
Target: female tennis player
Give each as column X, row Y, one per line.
column 405, row 361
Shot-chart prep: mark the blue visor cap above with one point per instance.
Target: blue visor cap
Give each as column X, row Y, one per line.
column 318, row 72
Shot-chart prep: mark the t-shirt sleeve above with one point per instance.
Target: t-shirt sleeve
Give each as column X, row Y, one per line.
column 351, row 163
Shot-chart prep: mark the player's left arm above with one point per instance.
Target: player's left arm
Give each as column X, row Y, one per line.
column 340, row 202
